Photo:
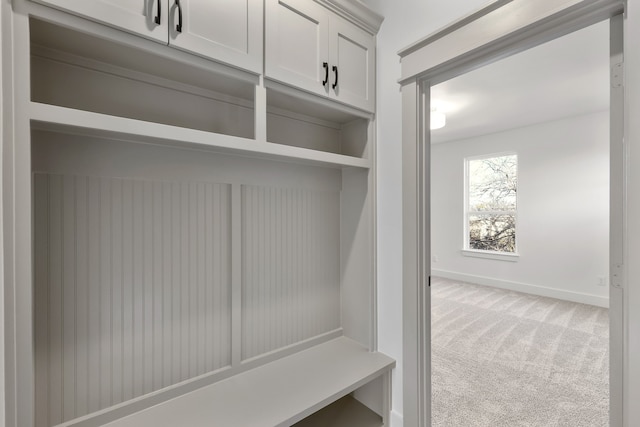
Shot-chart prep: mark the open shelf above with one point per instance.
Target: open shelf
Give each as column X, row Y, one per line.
column 280, row 393
column 345, row 412
column 68, row 120
column 303, row 120
column 75, row 70
column 146, row 57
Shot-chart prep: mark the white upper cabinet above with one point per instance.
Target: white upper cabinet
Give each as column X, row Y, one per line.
column 297, row 44
column 148, row 18
column 227, row 30
column 352, row 53
column 311, row 48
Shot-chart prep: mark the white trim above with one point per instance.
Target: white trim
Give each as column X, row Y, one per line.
column 491, row 155
column 511, row 28
column 525, row 288
column 396, row 420
column 619, row 237
column 453, row 26
column 500, row 256
column 356, row 12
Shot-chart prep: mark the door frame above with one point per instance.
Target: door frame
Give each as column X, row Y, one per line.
column 469, row 43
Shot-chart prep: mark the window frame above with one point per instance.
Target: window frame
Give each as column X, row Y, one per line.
column 467, row 250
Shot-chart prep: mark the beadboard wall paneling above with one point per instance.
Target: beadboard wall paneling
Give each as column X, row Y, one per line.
column 291, row 266
column 132, row 288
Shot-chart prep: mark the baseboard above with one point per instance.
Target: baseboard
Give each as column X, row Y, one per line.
column 396, row 419
column 525, row 288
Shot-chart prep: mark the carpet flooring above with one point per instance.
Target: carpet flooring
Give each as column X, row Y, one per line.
column 503, row 358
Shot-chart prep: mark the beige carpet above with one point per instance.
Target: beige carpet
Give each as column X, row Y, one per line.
column 502, row 358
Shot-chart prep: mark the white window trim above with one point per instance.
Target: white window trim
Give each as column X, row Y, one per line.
column 500, row 256
column 466, row 250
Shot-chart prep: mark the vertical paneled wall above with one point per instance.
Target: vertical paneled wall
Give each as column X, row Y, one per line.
column 156, row 265
column 136, row 285
column 132, row 288
column 290, row 265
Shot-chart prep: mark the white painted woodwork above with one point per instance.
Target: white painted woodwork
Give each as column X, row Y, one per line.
column 301, row 36
column 76, row 41
column 132, row 288
column 229, row 31
column 278, row 394
column 291, row 262
column 72, row 81
column 499, row 32
column 416, row 295
column 349, row 139
column 109, row 155
column 355, row 246
column 137, row 16
column 288, row 98
column 345, row 412
column 356, row 12
column 297, row 44
column 50, row 117
column 618, row 231
column 173, row 249
column 352, row 51
column 282, row 129
column 138, row 97
column 288, row 235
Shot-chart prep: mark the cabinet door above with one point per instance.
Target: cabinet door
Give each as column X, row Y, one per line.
column 296, row 45
column 147, row 18
column 352, row 52
column 228, row 31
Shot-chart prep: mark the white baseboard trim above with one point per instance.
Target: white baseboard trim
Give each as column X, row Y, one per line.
column 396, row 420
column 525, row 288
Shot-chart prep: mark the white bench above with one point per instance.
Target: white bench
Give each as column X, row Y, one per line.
column 279, row 393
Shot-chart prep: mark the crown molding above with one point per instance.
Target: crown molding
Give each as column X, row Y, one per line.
column 356, row 12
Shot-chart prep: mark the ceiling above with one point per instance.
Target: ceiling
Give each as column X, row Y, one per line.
column 566, row 77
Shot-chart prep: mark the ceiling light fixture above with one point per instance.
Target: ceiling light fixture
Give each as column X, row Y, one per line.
column 438, row 120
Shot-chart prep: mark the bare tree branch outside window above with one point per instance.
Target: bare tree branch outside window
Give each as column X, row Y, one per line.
column 491, row 214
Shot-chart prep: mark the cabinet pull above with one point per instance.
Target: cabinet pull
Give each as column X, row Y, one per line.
column 335, row 71
column 159, row 15
column 325, row 65
column 179, row 26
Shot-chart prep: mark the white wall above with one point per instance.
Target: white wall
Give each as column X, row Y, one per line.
column 563, row 209
column 405, row 22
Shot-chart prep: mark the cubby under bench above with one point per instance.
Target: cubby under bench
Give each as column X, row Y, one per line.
column 296, row 389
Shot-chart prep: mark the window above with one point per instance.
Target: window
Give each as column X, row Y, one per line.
column 491, row 189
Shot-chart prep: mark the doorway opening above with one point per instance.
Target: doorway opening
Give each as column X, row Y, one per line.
column 519, row 200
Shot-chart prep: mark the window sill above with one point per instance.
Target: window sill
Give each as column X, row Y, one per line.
column 500, row 256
